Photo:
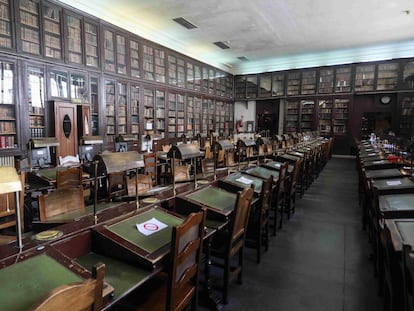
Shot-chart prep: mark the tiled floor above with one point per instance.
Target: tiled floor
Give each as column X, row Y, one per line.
column 319, row 260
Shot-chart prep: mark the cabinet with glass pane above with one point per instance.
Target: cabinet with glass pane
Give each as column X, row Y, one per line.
column 160, row 111
column 265, row 89
column 29, row 26
column 308, row 83
column 343, row 79
column 364, row 78
column 91, row 44
column 340, row 117
column 387, row 78
column 135, row 64
column 197, row 77
column 292, row 116
column 110, row 99
column 115, row 59
column 406, row 114
column 36, row 102
column 326, row 80
column 52, row 31
column 325, row 117
column 176, row 114
column 193, row 115
column 134, row 110
column 207, row 116
column 240, row 87
column 408, row 76
column 94, row 93
column 74, row 40
column 307, row 115
column 293, row 83
column 8, row 112
column 6, row 41
column 190, row 76
column 220, row 117
column 121, row 108
column 149, row 101
column 251, row 86
column 278, row 84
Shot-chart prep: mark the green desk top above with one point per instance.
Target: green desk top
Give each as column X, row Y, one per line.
column 127, row 230
column 27, row 282
column 258, row 182
column 262, row 172
column 398, row 201
column 406, row 230
column 377, row 162
column 393, row 183
column 389, row 172
column 214, row 197
column 276, row 165
column 121, row 276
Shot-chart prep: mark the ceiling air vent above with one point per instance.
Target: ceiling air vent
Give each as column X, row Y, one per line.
column 243, row 58
column 185, row 23
column 222, row 45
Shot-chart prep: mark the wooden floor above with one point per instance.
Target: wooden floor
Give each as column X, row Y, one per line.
column 320, row 259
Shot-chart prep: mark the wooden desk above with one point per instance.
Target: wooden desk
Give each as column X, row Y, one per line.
column 262, row 172
column 402, row 232
column 396, row 205
column 275, row 165
column 234, row 183
column 219, row 202
column 25, row 283
column 379, row 164
column 385, row 173
column 393, row 185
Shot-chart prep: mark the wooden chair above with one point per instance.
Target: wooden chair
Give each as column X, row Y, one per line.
column 176, row 289
column 60, row 201
column 144, row 184
column 230, row 244
column 391, row 287
column 408, row 277
column 69, row 160
column 117, row 184
column 78, row 296
column 69, row 177
column 291, row 188
column 7, row 208
column 181, row 173
column 278, row 200
column 150, row 166
column 258, row 228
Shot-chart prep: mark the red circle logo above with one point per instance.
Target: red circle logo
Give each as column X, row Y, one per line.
column 150, row 226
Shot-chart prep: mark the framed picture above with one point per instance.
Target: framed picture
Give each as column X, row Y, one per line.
column 249, row 126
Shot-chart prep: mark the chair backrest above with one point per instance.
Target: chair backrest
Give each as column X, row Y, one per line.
column 166, row 148
column 230, row 158
column 150, row 166
column 238, row 222
column 69, row 160
column 61, row 201
column 281, row 182
column 208, row 154
column 78, row 296
column 265, row 194
column 295, row 174
column 220, row 158
column 181, row 172
column 408, row 276
column 69, row 177
column 117, row 184
column 186, row 249
column 144, row 184
column 207, row 166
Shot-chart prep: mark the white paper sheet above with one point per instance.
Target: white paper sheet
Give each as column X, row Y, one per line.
column 151, row 226
column 393, row 182
column 244, row 180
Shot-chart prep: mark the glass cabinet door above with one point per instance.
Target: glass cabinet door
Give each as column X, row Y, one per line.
column 29, row 26
column 94, row 83
column 59, row 84
column 8, row 120
column 5, row 25
column 35, row 91
column 110, row 111
column 160, row 111
column 52, row 32
column 325, row 117
column 134, row 59
column 74, row 39
column 91, row 45
column 307, row 115
column 134, row 110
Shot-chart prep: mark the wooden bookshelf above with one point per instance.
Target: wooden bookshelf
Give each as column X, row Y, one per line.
column 364, row 78
column 6, row 41
column 8, row 112
column 325, row 117
column 292, row 116
column 341, row 115
column 134, row 50
column 308, row 82
column 29, row 26
column 35, row 78
column 121, row 58
column 110, row 99
column 52, row 32
column 307, row 115
column 91, row 44
column 265, row 85
column 74, row 39
column 293, row 83
column 326, row 80
column 109, row 50
column 134, row 110
column 387, row 78
column 160, row 111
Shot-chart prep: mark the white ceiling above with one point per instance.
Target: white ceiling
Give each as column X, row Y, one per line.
column 271, row 34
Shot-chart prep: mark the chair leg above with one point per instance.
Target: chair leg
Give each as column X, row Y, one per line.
column 226, row 280
column 240, row 274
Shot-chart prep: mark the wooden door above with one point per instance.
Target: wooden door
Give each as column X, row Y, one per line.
column 66, row 128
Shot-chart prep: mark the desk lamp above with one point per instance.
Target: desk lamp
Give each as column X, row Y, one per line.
column 10, row 182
